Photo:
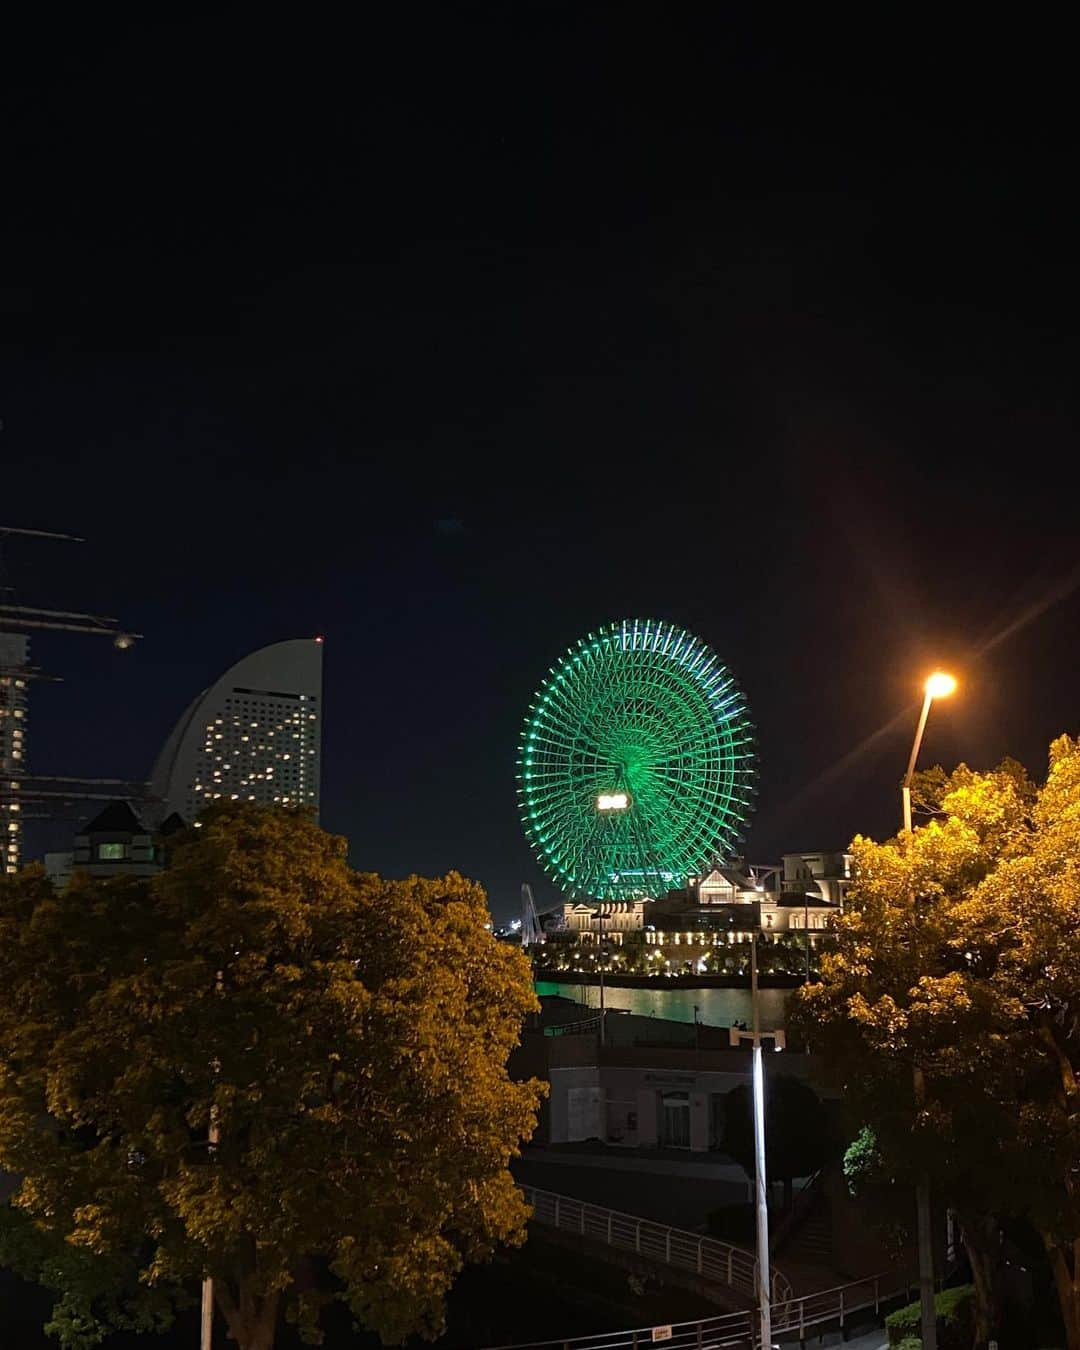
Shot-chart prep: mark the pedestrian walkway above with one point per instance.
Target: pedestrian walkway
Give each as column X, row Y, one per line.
column 869, row 1340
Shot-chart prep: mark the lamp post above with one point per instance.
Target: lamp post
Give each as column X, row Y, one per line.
column 806, row 931
column 600, row 958
column 761, row 1194
column 939, row 685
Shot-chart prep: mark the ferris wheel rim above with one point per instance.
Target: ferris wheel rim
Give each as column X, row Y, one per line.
column 649, row 711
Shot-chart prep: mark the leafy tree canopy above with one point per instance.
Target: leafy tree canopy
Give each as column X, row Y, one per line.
column 350, row 1036
column 958, row 956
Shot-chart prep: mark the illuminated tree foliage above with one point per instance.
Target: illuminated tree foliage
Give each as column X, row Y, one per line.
column 351, row 1035
column 959, row 954
column 641, row 714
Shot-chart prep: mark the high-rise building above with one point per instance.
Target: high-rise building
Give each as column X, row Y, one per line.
column 254, row 736
column 14, row 683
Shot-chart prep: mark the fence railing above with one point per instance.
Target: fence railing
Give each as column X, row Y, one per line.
column 584, row 1027
column 713, row 1260
column 793, row 1318
column 801, row 1202
column 797, row 1315
column 714, row 1333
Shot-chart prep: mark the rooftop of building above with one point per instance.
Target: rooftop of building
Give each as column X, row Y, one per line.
column 117, row 818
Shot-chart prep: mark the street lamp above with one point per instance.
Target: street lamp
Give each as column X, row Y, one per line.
column 939, row 685
column 600, row 961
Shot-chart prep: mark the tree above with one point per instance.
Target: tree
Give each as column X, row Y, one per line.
column 797, row 1138
column 350, row 1035
column 958, row 955
column 635, row 953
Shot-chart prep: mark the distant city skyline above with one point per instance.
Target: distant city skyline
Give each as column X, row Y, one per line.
column 454, row 361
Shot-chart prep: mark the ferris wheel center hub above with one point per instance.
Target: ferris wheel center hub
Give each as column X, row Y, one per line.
column 612, row 801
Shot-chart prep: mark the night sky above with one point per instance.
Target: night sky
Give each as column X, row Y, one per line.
column 458, row 332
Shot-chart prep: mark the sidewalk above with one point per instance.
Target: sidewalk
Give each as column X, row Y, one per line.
column 872, row 1340
column 869, row 1340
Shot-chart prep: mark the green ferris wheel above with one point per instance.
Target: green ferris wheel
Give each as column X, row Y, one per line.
column 636, row 763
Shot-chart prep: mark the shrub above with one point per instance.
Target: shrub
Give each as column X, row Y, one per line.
column 956, row 1323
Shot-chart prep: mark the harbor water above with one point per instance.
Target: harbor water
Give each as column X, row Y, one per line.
column 715, row 1007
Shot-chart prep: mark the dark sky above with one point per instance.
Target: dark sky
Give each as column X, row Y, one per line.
column 459, row 331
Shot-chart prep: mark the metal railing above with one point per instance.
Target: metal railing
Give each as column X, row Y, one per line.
column 797, row 1315
column 793, row 1318
column 713, row 1260
column 581, row 1028
column 802, row 1201
column 714, row 1333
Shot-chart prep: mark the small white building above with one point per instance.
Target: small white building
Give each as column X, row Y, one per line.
column 610, row 920
column 650, row 1098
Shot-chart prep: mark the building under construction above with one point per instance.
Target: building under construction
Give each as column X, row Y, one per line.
column 24, row 795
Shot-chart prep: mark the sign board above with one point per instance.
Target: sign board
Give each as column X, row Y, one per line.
column 661, row 1333
column 612, row 801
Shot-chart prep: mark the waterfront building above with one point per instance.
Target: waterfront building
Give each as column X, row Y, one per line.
column 721, row 908
column 253, row 736
column 14, row 688
column 608, row 919
column 828, row 874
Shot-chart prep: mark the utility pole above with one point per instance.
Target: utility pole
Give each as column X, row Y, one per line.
column 603, row 1026
column 939, row 685
column 761, row 1195
column 806, row 931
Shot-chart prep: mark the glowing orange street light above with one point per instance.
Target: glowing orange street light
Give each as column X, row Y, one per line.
column 939, row 685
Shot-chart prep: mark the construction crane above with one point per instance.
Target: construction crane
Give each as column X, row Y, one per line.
column 64, row 620
column 22, row 795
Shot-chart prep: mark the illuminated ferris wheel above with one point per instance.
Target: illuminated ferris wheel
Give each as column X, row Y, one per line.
column 636, row 763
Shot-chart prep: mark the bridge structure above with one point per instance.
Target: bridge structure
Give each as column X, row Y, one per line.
column 718, row 1270
column 532, row 930
column 714, row 1269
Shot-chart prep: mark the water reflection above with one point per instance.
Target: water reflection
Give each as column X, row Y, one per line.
column 716, row 1007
